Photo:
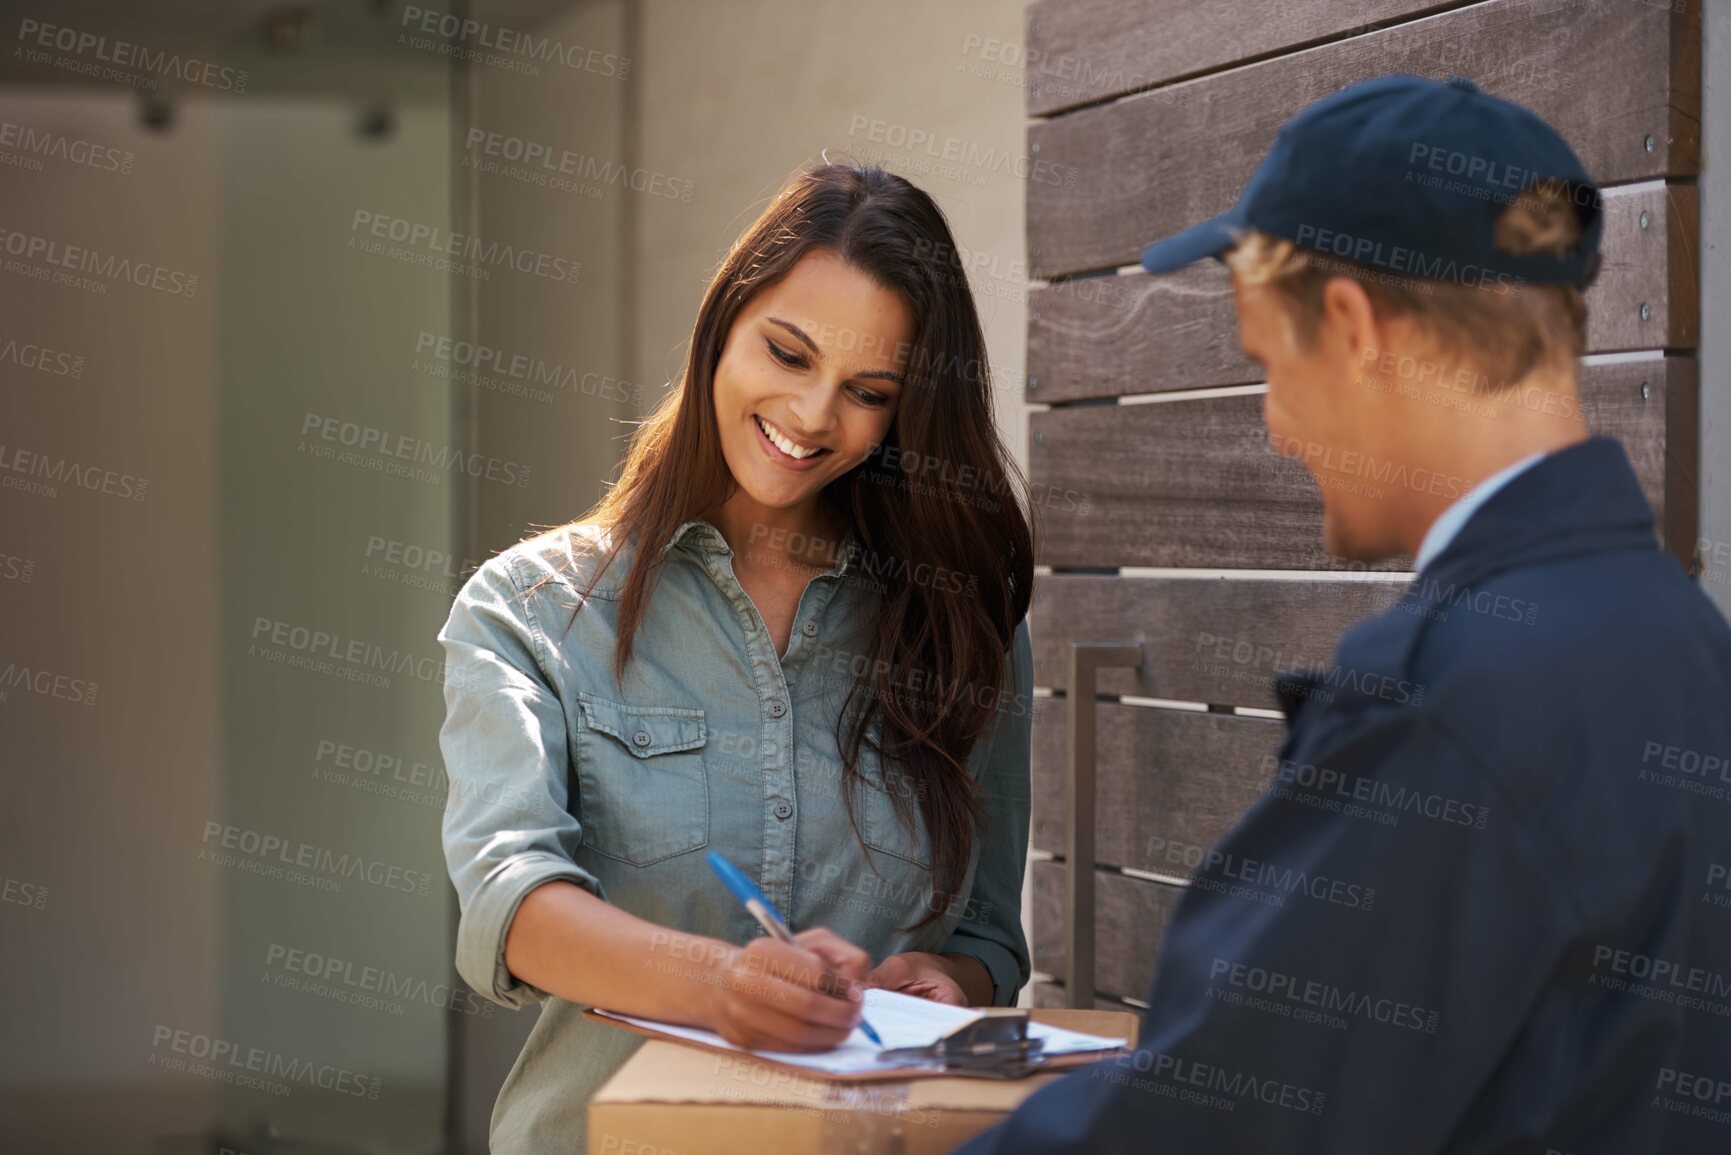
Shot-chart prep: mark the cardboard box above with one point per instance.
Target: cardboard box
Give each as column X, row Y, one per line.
column 671, row 1099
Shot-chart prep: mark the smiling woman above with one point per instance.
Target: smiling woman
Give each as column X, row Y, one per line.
column 696, row 663
column 786, row 403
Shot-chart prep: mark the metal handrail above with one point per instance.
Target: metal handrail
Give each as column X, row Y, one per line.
column 1086, row 659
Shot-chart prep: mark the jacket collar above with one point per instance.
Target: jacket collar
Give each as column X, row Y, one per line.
column 1582, row 499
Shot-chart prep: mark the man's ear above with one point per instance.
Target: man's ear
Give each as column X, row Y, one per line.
column 1349, row 321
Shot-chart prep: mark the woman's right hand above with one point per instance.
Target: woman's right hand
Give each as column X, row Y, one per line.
column 799, row 996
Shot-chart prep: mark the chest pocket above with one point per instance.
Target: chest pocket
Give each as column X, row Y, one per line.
column 880, row 826
column 640, row 771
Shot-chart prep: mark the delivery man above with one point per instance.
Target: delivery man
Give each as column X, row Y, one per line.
column 1485, row 904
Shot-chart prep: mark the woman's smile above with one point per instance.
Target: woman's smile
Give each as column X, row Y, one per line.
column 784, row 449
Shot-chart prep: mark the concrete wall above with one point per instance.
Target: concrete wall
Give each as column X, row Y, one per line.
column 148, row 940
column 115, row 592
column 1715, row 353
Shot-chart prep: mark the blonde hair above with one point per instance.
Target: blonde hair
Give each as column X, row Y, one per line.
column 1507, row 332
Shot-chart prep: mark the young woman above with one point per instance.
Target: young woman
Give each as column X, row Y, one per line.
column 793, row 632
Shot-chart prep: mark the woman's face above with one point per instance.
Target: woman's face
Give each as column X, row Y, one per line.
column 809, row 379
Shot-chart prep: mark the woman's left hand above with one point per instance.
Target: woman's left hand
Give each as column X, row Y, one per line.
column 922, row 975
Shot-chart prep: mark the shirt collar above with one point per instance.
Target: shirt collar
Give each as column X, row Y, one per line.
column 704, row 536
column 1449, row 522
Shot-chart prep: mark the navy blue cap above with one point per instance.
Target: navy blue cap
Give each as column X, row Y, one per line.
column 1409, row 175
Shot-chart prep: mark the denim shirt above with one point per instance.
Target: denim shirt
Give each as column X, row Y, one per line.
column 713, row 742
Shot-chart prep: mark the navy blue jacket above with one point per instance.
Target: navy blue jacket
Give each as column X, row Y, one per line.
column 1485, row 905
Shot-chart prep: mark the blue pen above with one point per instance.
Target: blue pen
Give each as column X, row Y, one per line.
column 764, row 912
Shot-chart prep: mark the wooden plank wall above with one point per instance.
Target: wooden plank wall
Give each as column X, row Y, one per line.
column 1162, row 108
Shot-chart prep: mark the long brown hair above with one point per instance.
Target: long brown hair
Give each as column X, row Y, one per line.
column 960, row 511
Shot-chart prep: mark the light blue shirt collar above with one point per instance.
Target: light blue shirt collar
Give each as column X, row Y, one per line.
column 705, row 536
column 1449, row 522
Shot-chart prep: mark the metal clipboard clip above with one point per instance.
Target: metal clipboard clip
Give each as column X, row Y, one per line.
column 994, row 1046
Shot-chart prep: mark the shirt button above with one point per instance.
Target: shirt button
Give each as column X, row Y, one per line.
column 777, row 708
column 784, row 809
column 809, row 629
column 641, row 737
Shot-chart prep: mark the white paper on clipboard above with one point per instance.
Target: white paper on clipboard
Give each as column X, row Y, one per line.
column 901, row 1020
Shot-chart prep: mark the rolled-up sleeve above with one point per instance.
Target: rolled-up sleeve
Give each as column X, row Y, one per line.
column 991, row 925
column 508, row 824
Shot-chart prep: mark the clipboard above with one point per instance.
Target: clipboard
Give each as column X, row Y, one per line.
column 994, row 1045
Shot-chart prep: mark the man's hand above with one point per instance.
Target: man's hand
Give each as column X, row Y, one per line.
column 925, row 976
